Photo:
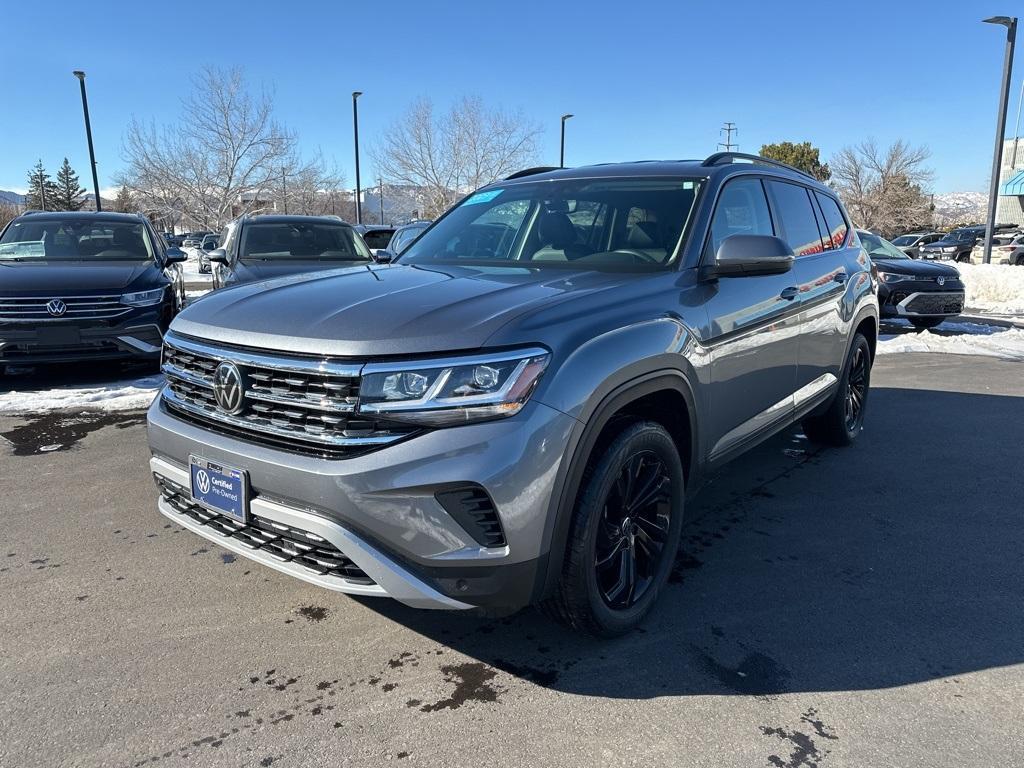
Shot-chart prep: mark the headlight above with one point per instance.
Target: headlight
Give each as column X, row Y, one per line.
column 454, row 390
column 893, row 277
column 143, row 298
column 949, row 250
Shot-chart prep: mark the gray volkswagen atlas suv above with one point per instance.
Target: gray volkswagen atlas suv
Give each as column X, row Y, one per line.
column 514, row 410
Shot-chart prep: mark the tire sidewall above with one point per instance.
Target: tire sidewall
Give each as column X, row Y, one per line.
column 858, row 342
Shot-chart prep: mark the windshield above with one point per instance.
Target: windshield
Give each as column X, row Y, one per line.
column 905, row 240
column 302, row 240
column 878, row 248
column 631, row 224
column 378, row 238
column 960, row 235
column 75, row 239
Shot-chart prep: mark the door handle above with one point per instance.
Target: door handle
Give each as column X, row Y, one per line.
column 789, row 293
column 840, row 277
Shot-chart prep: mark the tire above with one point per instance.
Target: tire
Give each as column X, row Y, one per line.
column 964, row 258
column 925, row 322
column 594, row 593
column 836, row 426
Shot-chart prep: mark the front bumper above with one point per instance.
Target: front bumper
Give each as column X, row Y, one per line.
column 380, row 509
column 920, row 300
column 138, row 337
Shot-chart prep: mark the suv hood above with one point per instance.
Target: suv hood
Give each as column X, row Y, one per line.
column 56, row 278
column 916, row 267
column 247, row 271
column 380, row 311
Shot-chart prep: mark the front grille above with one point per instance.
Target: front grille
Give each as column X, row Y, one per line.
column 283, row 542
column 297, row 404
column 935, row 304
column 20, row 350
column 33, row 308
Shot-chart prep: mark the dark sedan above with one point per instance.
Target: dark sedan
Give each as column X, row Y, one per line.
column 261, row 247
column 925, row 293
column 85, row 286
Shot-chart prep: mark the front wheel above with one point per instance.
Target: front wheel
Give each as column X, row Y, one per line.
column 624, row 533
column 844, row 419
column 926, row 322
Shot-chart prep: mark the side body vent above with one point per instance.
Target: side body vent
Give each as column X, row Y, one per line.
column 473, row 509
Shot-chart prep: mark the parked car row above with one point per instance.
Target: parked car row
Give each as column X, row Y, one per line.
column 964, row 245
column 507, row 406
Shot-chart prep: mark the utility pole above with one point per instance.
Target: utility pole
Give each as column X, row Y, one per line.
column 728, row 129
column 284, row 190
column 380, row 195
column 355, row 135
column 997, row 158
column 42, row 191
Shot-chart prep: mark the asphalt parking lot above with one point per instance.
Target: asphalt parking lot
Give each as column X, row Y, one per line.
column 830, row 608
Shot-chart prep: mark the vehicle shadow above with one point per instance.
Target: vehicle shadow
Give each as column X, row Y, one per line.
column 896, row 561
column 85, row 374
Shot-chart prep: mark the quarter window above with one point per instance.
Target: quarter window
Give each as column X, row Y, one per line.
column 835, row 224
column 797, row 217
column 741, row 210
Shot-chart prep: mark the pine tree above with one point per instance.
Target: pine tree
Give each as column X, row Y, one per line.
column 42, row 192
column 803, row 156
column 70, row 194
column 125, row 201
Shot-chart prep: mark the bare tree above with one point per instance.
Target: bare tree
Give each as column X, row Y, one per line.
column 8, row 212
column 447, row 156
column 225, row 157
column 884, row 189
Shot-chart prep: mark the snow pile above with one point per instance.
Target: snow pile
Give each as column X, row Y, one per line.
column 974, row 339
column 125, row 395
column 994, row 288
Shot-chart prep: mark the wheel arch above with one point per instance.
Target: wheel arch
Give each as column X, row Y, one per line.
column 640, row 398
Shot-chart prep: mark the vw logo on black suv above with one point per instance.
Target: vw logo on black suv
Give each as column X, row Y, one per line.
column 228, row 389
column 514, row 410
column 56, row 307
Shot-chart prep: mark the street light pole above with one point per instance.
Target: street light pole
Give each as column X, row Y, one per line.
column 997, row 158
column 380, row 196
column 561, row 153
column 42, row 190
column 88, row 135
column 355, row 133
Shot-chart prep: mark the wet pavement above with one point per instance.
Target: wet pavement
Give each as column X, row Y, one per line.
column 857, row 607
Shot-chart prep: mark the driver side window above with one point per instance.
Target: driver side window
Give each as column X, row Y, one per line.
column 742, row 209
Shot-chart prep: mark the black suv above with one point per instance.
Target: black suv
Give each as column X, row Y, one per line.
column 955, row 245
column 261, row 247
column 85, row 285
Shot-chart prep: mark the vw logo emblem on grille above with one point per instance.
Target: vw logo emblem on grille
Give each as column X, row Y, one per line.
column 203, row 481
column 228, row 387
column 56, row 307
column 940, row 280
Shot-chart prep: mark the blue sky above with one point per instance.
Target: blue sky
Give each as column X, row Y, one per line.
column 645, row 79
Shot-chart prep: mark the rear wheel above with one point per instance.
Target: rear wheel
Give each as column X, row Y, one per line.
column 624, row 533
column 844, row 419
column 926, row 322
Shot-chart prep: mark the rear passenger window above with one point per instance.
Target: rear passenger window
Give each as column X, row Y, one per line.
column 741, row 210
column 835, row 225
column 799, row 224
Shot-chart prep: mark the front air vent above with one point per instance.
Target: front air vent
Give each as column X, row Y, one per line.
column 473, row 509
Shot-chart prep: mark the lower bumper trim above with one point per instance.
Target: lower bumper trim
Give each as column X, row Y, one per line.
column 389, row 580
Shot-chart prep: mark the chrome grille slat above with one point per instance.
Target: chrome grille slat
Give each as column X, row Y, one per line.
column 303, row 405
column 33, row 308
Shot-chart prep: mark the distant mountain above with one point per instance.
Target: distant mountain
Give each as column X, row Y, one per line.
column 11, row 197
column 960, row 207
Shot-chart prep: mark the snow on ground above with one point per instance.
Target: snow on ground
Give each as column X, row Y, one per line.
column 128, row 394
column 956, row 338
column 996, row 289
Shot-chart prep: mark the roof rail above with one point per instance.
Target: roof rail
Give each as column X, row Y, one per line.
column 532, row 171
column 31, row 211
column 724, row 158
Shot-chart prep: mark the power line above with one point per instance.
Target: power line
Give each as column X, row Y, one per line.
column 728, row 129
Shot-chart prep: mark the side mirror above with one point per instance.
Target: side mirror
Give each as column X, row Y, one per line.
column 748, row 255
column 219, row 256
column 384, row 256
column 176, row 256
